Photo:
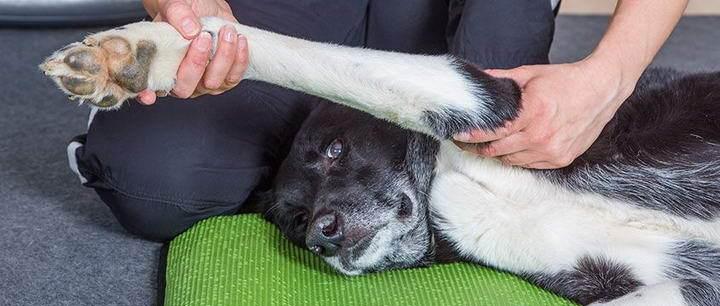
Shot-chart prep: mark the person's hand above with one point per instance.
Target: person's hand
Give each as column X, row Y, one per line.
column 564, row 109
column 196, row 75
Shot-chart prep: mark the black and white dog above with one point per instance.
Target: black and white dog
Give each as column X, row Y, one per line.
column 634, row 221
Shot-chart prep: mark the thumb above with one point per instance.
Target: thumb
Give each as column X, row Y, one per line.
column 181, row 16
column 521, row 75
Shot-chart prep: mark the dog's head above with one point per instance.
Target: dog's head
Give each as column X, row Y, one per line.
column 347, row 191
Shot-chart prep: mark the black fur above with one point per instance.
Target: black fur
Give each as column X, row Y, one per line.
column 420, row 159
column 591, row 280
column 697, row 266
column 443, row 251
column 500, row 96
column 660, row 151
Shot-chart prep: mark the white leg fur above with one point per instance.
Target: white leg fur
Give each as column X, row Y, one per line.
column 393, row 86
column 397, row 87
column 665, row 294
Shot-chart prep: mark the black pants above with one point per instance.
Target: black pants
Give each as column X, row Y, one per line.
column 160, row 169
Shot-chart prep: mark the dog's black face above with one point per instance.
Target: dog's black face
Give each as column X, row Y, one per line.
column 345, row 192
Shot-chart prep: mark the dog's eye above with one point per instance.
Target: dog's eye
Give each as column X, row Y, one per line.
column 335, row 149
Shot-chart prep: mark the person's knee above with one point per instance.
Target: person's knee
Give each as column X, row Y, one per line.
column 159, row 220
column 501, row 34
column 160, row 211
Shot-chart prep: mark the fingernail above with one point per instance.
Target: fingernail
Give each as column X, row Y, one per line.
column 204, row 42
column 464, row 137
column 190, row 27
column 229, row 34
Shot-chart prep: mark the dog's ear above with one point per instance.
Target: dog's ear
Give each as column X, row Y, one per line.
column 258, row 202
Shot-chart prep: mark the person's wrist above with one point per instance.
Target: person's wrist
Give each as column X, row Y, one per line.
column 618, row 76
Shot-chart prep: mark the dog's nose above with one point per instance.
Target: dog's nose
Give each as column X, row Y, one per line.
column 325, row 234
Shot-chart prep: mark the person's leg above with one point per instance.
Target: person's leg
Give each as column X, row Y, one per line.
column 501, row 34
column 410, row 26
column 162, row 168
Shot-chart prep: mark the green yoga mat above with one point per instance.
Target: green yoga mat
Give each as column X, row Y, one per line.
column 243, row 260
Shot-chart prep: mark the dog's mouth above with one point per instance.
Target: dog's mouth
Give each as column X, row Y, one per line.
column 358, row 258
column 385, row 249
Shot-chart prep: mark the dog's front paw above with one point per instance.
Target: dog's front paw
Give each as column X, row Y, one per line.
column 103, row 73
column 111, row 67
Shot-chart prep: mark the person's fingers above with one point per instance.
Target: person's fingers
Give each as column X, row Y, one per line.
column 512, row 144
column 234, row 76
column 146, row 97
column 552, row 159
column 199, row 91
column 521, row 75
column 217, row 70
column 540, row 165
column 202, row 90
column 521, row 158
column 481, row 136
column 470, row 147
column 525, row 117
column 181, row 16
column 240, row 64
column 193, row 66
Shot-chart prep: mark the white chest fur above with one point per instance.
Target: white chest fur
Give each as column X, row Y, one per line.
column 516, row 220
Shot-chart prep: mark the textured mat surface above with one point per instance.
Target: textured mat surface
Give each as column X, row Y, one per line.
column 243, row 260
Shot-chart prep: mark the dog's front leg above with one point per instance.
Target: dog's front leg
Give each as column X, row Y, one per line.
column 437, row 95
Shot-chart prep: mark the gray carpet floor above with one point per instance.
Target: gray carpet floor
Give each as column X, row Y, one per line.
column 59, row 245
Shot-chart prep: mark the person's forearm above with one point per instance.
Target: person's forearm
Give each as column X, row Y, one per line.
column 636, row 32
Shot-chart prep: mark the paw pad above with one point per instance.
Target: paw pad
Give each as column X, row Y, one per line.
column 82, row 60
column 104, row 70
column 78, row 86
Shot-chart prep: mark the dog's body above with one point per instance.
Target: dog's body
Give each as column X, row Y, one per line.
column 634, row 221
